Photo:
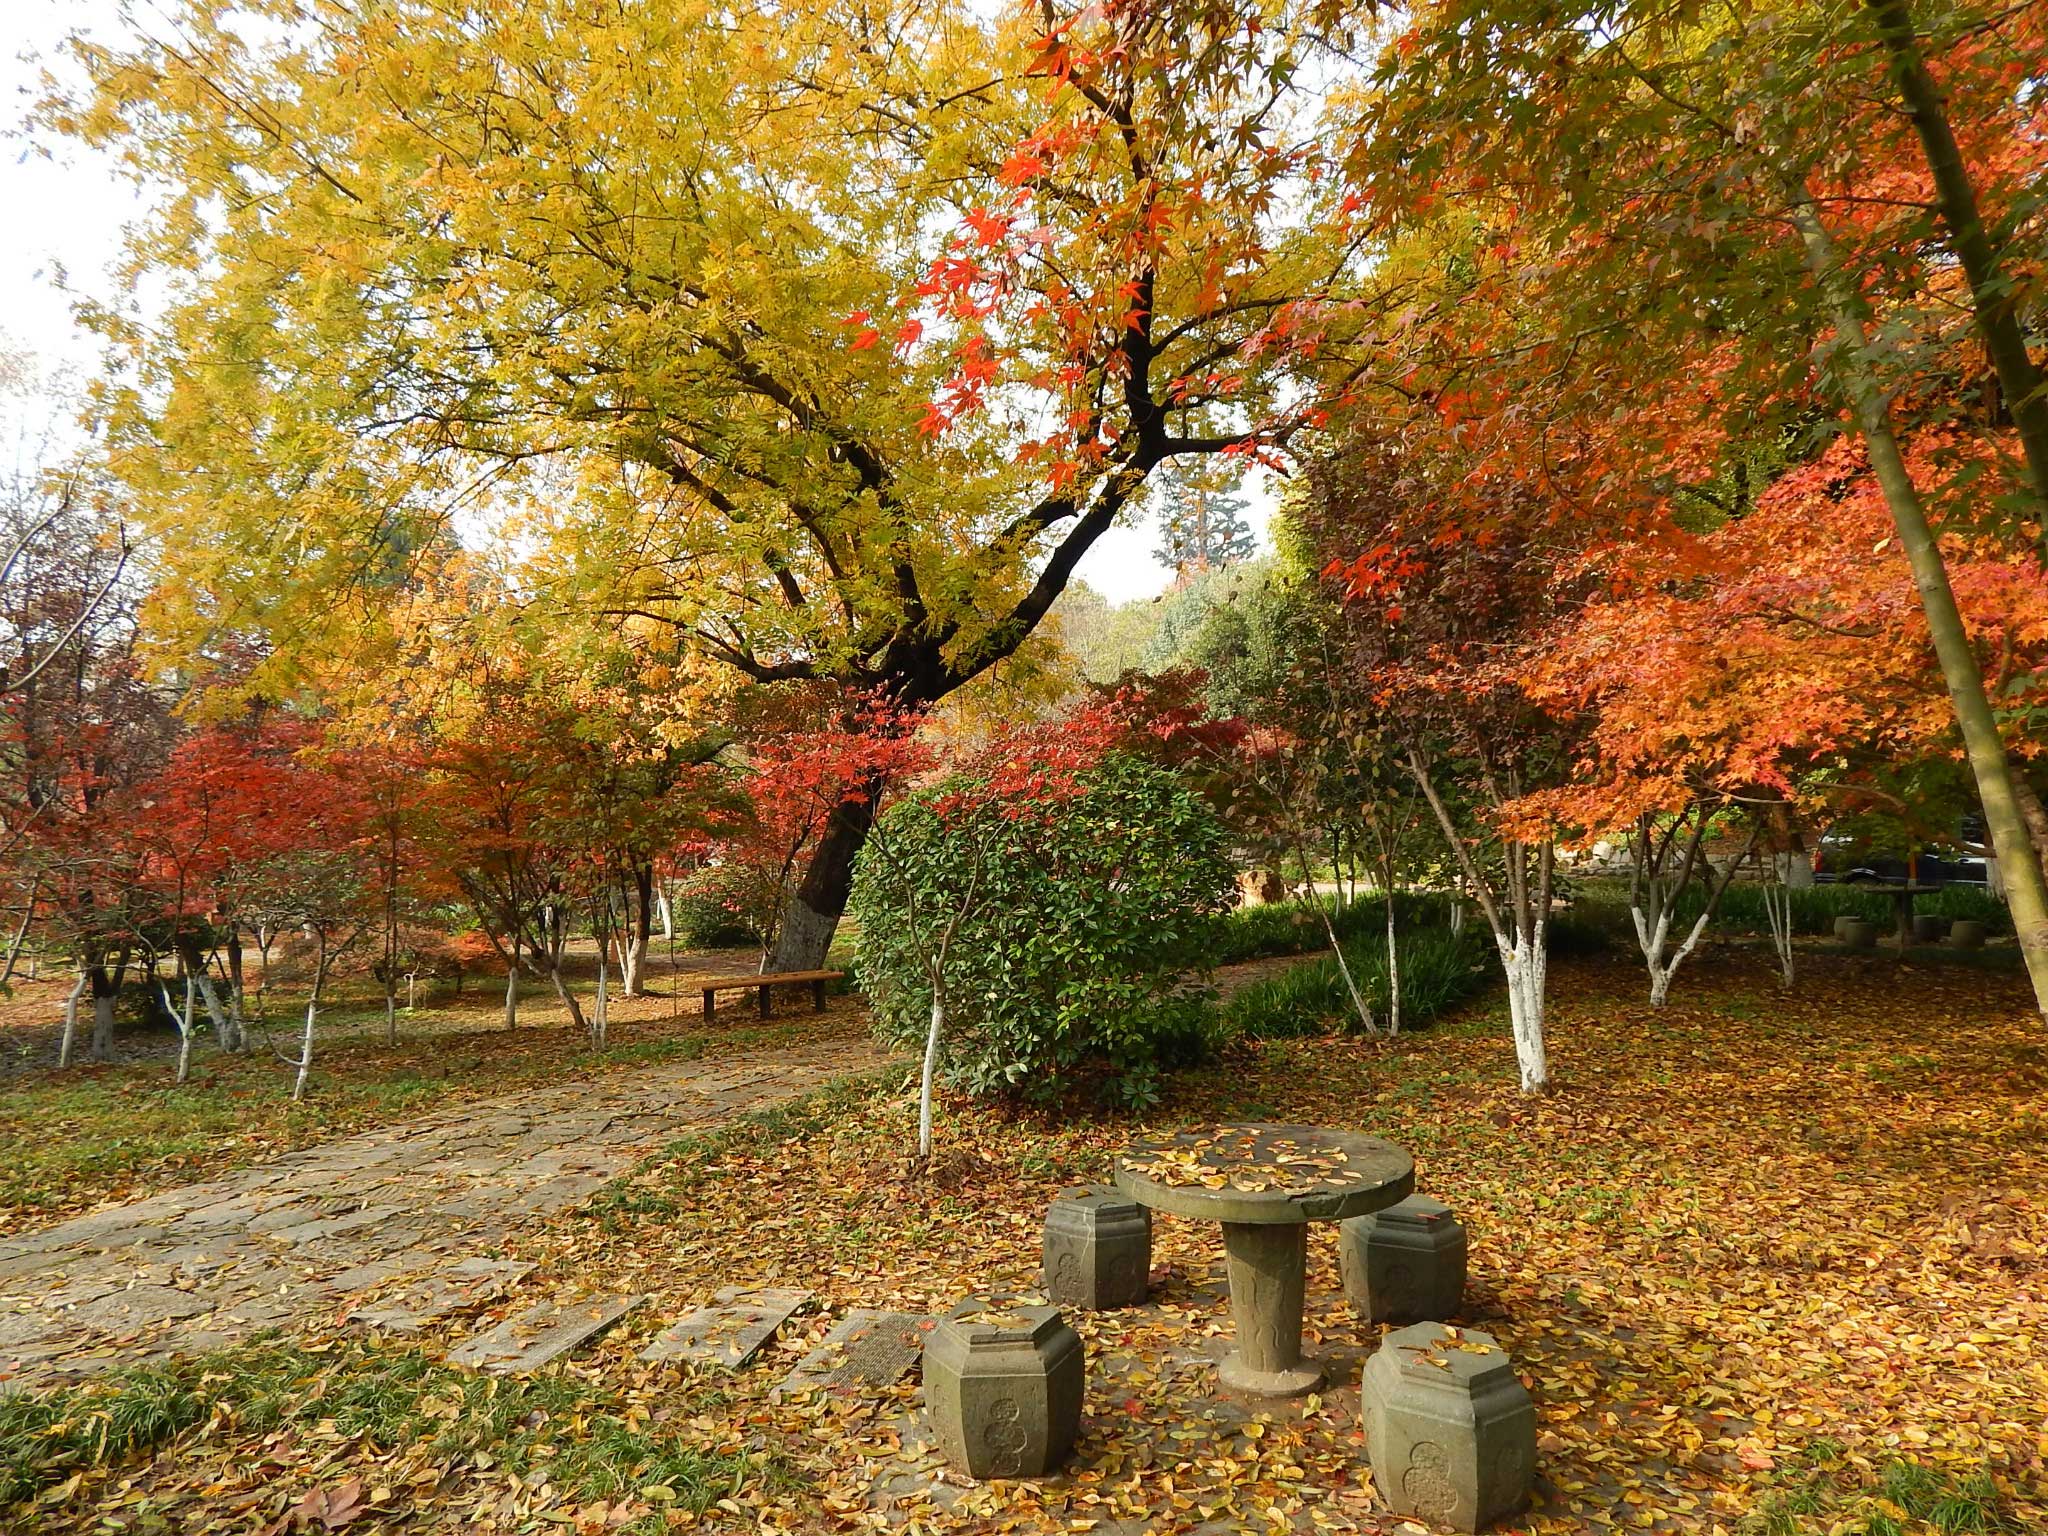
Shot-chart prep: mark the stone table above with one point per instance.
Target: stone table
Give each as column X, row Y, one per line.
column 1264, row 1184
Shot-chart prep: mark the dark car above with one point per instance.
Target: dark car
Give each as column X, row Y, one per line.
column 1852, row 859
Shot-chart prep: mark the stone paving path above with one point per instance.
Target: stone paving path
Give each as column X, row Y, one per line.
column 292, row 1240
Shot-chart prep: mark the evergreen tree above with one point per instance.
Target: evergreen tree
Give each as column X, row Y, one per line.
column 1203, row 514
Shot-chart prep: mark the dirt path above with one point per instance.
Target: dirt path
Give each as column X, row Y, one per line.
column 294, row 1239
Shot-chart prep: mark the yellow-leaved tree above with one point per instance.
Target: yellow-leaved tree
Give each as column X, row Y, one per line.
column 830, row 333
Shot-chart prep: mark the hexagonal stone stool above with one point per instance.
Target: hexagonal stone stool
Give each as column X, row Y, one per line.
column 1928, row 928
column 1003, row 1385
column 1451, row 1432
column 1098, row 1249
column 1842, row 922
column 1858, row 934
column 1405, row 1264
column 1966, row 933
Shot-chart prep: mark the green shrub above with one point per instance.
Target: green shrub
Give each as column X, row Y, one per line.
column 703, row 917
column 1438, row 969
column 1081, row 955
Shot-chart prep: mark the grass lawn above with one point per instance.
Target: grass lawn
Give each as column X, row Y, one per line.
column 1769, row 1265
column 98, row 1133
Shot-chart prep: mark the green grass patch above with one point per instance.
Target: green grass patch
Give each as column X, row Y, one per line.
column 388, row 1401
column 1826, row 1493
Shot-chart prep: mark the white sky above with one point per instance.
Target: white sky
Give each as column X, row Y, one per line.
column 61, row 235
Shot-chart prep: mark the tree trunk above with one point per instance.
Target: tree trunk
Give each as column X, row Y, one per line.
column 668, row 915
column 70, row 1036
column 512, row 984
column 1525, row 964
column 2026, row 890
column 931, row 1064
column 195, row 967
column 28, row 913
column 600, row 1015
column 1778, row 912
column 305, row 1062
column 1393, row 968
column 638, row 935
column 106, row 988
column 811, row 915
column 568, row 998
column 1994, row 293
column 184, row 1023
column 236, row 996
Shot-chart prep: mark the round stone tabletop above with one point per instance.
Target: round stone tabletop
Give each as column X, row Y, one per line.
column 1266, row 1175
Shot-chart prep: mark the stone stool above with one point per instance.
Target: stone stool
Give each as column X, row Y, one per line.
column 1842, row 923
column 1405, row 1264
column 1450, row 1430
column 1858, row 934
column 1003, row 1386
column 1098, row 1249
column 1927, row 928
column 1966, row 933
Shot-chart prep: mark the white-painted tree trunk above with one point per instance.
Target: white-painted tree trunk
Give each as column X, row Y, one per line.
column 931, row 1064
column 667, row 915
column 512, row 984
column 632, row 963
column 1457, row 917
column 223, row 1028
column 184, row 1023
column 599, row 1020
column 70, row 1036
column 103, row 1027
column 1393, row 972
column 305, row 1061
column 1653, row 938
column 1778, row 912
column 1526, row 965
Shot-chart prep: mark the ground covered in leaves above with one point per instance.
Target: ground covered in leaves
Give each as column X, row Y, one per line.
column 1768, row 1264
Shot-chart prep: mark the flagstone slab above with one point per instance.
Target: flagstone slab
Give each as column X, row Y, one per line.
column 544, row 1332
column 865, row 1349
column 730, row 1331
column 467, row 1283
column 137, row 1307
column 334, row 1226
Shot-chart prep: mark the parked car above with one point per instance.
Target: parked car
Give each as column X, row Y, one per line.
column 1852, row 858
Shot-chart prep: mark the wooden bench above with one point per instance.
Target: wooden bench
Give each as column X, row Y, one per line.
column 764, row 984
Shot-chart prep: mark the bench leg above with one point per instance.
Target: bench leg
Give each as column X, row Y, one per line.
column 710, row 1006
column 766, row 1007
column 818, row 994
